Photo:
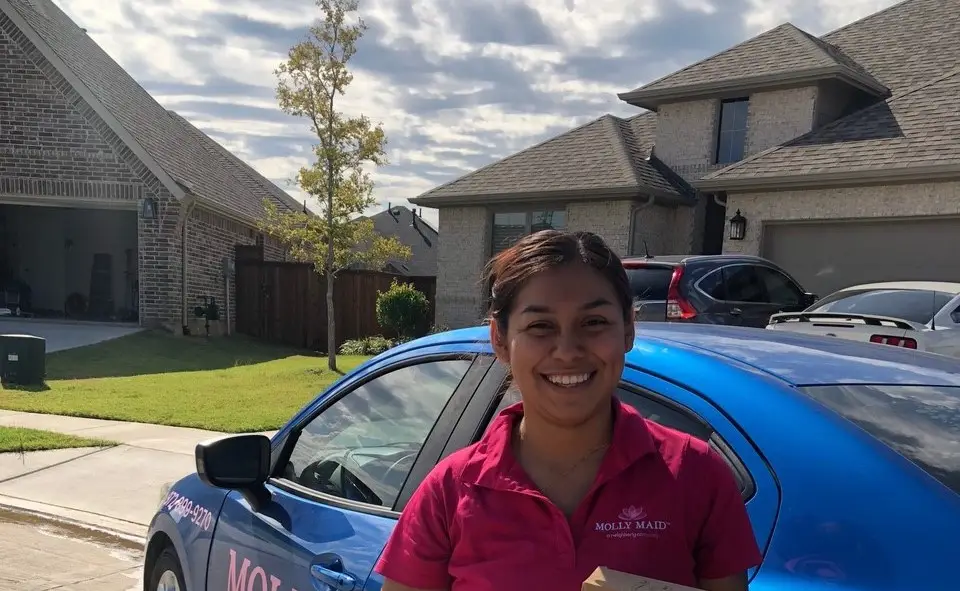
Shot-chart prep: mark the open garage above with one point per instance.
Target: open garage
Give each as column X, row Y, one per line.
column 828, row 255
column 65, row 262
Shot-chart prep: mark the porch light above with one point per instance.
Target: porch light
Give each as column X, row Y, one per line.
column 738, row 226
column 149, row 208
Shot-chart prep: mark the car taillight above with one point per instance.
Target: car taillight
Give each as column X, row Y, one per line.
column 677, row 307
column 905, row 342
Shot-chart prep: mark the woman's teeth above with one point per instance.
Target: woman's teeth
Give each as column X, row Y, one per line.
column 569, row 380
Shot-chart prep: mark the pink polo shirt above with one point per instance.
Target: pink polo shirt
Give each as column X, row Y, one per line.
column 664, row 505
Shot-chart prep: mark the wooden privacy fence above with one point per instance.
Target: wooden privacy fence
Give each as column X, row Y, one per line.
column 286, row 302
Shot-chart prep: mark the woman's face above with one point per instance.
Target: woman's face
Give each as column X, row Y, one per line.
column 565, row 343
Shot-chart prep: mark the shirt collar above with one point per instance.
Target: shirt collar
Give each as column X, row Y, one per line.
column 494, row 465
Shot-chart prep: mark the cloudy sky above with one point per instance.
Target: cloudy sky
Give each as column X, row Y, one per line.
column 456, row 83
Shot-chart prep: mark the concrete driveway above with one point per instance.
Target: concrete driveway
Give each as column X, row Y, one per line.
column 64, row 334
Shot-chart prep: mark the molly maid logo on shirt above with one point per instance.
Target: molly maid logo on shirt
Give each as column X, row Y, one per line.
column 632, row 522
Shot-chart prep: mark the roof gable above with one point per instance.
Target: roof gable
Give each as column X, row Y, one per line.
column 916, row 130
column 605, row 156
column 776, row 56
column 165, row 146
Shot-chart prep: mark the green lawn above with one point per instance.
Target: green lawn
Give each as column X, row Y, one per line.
column 225, row 384
column 16, row 439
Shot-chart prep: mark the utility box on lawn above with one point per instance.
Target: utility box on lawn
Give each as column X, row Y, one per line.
column 23, row 361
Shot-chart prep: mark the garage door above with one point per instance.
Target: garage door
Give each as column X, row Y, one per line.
column 825, row 257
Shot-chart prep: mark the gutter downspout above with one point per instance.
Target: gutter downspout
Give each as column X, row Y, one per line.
column 187, row 208
column 633, row 221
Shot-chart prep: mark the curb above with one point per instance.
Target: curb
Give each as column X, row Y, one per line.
column 127, row 533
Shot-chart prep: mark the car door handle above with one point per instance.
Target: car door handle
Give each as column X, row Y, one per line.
column 735, row 311
column 333, row 579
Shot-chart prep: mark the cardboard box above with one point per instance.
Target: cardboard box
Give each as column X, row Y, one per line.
column 607, row 579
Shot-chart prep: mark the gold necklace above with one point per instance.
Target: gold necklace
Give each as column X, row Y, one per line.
column 568, row 471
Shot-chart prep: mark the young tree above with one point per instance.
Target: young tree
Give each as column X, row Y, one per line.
column 311, row 83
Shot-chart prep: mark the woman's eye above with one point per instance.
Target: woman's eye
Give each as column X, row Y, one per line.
column 597, row 322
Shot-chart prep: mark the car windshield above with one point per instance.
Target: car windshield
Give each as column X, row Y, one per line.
column 650, row 282
column 921, row 423
column 915, row 305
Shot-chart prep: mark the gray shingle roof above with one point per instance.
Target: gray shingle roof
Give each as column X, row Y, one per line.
column 607, row 155
column 163, row 137
column 911, row 48
column 411, row 230
column 906, row 44
column 257, row 185
column 784, row 51
column 917, row 128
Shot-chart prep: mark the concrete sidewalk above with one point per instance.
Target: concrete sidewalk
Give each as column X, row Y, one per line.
column 115, row 489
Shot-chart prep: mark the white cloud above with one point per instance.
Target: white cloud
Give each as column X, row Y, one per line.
column 179, row 41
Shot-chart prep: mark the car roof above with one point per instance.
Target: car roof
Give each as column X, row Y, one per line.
column 677, row 259
column 944, row 286
column 792, row 358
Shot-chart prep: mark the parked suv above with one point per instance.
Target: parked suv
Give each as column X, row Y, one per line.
column 735, row 290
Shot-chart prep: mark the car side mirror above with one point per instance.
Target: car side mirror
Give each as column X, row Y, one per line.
column 810, row 299
column 237, row 462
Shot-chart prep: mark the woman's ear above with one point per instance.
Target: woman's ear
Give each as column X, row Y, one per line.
column 630, row 330
column 498, row 340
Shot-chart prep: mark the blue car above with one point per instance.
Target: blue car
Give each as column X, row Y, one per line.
column 847, row 454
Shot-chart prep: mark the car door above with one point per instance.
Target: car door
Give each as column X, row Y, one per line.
column 746, row 295
column 711, row 295
column 338, row 475
column 664, row 402
column 781, row 293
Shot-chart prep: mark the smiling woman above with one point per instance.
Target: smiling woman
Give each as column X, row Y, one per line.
column 569, row 479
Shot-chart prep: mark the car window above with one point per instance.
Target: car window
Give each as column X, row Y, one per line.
column 742, row 284
column 650, row 282
column 921, row 423
column 780, row 289
column 915, row 305
column 712, row 285
column 362, row 447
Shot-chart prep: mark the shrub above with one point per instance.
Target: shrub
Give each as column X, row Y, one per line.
column 367, row 346
column 403, row 310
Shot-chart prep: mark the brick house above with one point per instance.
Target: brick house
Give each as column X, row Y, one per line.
column 842, row 152
column 105, row 195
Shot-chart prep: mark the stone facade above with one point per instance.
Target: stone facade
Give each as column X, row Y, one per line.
column 609, row 219
column 686, row 139
column 933, row 199
column 55, row 149
column 779, row 116
column 461, row 261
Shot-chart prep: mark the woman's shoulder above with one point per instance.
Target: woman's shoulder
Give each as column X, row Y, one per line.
column 457, row 468
column 682, row 451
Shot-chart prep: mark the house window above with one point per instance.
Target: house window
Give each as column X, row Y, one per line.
column 732, row 135
column 508, row 227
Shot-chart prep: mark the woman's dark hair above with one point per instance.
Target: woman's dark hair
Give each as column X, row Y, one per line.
column 541, row 251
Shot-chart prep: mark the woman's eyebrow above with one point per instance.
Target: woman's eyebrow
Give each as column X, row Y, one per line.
column 541, row 309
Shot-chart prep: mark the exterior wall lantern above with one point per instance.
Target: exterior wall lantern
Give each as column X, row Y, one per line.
column 148, row 209
column 738, row 226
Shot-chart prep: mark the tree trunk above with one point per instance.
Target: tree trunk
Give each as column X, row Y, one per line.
column 331, row 316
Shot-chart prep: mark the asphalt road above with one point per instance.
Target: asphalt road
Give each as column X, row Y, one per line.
column 43, row 555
